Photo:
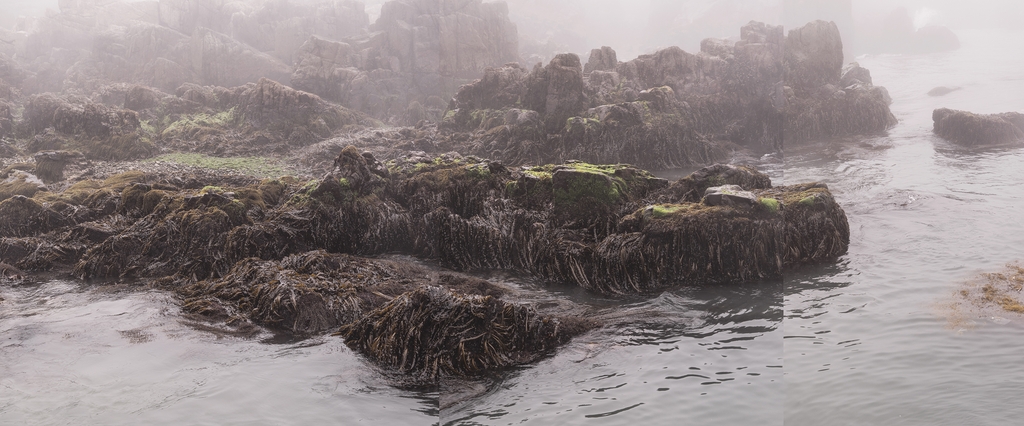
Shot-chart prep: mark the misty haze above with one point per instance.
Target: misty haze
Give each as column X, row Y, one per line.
column 469, row 212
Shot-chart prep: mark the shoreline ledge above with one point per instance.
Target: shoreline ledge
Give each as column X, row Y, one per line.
column 298, row 255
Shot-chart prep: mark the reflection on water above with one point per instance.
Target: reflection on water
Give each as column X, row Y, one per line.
column 74, row 354
column 712, row 353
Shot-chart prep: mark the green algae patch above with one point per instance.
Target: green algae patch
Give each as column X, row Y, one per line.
column 191, row 124
column 572, row 186
column 18, row 186
column 770, row 204
column 663, row 210
column 252, row 166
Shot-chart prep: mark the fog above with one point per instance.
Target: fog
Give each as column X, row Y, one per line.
column 637, row 27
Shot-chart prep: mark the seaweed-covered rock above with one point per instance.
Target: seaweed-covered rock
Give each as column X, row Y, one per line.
column 94, row 129
column 50, row 164
column 257, row 118
column 20, row 183
column 307, row 293
column 978, row 129
column 816, row 226
column 25, row 216
column 434, row 332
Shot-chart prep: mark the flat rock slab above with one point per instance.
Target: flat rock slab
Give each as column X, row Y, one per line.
column 729, row 195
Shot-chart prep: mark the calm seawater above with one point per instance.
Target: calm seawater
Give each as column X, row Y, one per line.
column 872, row 340
column 865, row 341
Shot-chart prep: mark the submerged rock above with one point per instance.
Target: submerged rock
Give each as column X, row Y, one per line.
column 942, row 91
column 971, row 129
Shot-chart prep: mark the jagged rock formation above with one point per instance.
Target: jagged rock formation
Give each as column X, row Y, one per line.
column 673, row 108
column 419, row 51
column 971, row 129
column 126, row 121
column 821, row 98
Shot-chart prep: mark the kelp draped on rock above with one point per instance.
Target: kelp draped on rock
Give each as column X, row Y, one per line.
column 266, row 252
column 607, row 228
column 435, row 332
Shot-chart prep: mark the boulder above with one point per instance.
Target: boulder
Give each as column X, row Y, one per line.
column 971, row 129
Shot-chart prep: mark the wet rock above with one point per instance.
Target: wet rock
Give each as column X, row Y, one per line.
column 818, row 104
column 10, row 273
column 971, row 129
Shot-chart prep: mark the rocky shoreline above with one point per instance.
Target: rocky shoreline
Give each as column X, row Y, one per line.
column 291, row 254
column 539, row 171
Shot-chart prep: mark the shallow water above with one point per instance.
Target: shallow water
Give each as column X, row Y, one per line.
column 76, row 354
column 712, row 353
column 874, row 340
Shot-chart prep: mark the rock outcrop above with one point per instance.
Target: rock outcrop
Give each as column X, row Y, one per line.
column 418, row 51
column 824, row 100
column 286, row 254
column 672, row 108
column 971, row 129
